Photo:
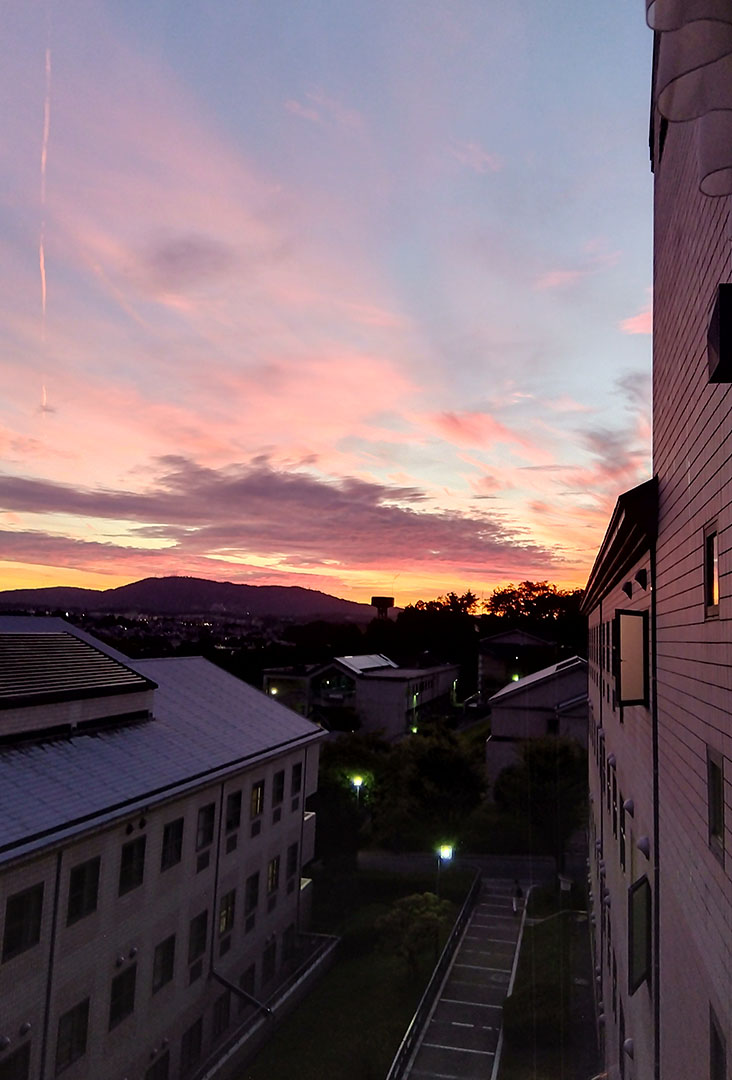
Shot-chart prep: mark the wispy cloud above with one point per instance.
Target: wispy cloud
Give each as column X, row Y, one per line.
column 319, row 108
column 642, row 323
column 473, row 156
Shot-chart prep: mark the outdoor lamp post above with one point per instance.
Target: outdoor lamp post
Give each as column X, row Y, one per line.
column 444, row 854
column 357, row 781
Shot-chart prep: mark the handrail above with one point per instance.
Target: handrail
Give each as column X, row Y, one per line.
column 424, row 1008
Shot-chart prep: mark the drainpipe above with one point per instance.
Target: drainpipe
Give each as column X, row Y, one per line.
column 656, row 829
column 51, row 957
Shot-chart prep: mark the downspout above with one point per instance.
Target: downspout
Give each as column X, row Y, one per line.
column 656, row 830
column 51, row 957
column 215, row 920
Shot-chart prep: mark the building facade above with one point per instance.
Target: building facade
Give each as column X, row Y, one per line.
column 659, row 601
column 152, row 837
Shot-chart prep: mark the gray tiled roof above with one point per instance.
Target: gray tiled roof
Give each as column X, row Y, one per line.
column 206, row 723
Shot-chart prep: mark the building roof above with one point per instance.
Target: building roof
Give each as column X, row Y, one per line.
column 206, row 724
column 574, row 663
column 514, row 637
column 397, row 673
column 361, row 664
column 56, row 666
column 631, row 533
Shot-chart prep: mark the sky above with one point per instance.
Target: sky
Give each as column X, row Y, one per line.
column 347, row 294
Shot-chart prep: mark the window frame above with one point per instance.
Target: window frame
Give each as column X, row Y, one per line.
column 132, row 870
column 163, row 963
column 124, row 997
column 273, row 875
column 640, row 906
column 715, row 803
column 256, row 800
column 72, row 1042
column 233, row 811
column 171, row 850
column 227, row 911
column 25, row 923
column 278, row 788
column 197, row 936
column 620, row 615
column 711, row 571
column 205, row 826
column 85, row 891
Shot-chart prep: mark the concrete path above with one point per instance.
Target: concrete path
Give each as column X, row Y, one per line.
column 460, row 1040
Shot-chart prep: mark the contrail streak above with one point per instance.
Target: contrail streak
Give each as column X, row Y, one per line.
column 44, row 160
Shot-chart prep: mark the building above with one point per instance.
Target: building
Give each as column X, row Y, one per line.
column 552, row 701
column 152, row 835
column 508, row 654
column 370, row 693
column 659, row 602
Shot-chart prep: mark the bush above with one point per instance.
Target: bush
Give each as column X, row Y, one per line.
column 537, row 1014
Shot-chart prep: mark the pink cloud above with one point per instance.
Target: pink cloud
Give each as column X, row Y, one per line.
column 558, row 279
column 304, row 111
column 474, row 157
column 642, row 323
column 319, row 108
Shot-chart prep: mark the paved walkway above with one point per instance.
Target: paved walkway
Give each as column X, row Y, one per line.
column 459, row 1042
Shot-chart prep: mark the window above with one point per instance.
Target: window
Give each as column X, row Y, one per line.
column 163, row 963
column 226, row 913
column 273, row 875
column 291, row 860
column 631, row 641
column 83, row 889
column 278, row 788
column 711, row 571
column 71, row 1040
column 197, row 936
column 17, row 1066
column 172, row 844
column 715, row 794
column 622, row 831
column 190, row 1047
column 615, row 805
column 132, row 865
column 160, row 1069
column 233, row 811
column 122, row 999
column 251, row 899
column 22, row 921
column 221, row 1010
column 205, row 826
column 639, row 934
column 717, row 1049
column 256, row 803
column 296, row 785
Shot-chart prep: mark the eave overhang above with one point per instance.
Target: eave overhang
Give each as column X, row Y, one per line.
column 631, row 532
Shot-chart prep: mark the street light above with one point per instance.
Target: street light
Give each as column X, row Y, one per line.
column 357, row 781
column 444, row 854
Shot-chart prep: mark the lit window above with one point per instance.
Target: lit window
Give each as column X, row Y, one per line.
column 631, row 639
column 711, row 571
column 256, row 803
column 273, row 875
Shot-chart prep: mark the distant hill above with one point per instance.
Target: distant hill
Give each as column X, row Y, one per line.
column 192, row 596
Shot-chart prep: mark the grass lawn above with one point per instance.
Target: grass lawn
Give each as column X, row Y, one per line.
column 353, row 1021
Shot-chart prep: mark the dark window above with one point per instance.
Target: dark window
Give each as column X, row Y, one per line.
column 622, row 831
column 715, row 794
column 256, row 803
column 615, row 805
column 226, row 913
column 205, row 826
column 233, row 811
column 160, row 1069
column 269, row 960
column 717, row 1049
column 71, row 1040
column 197, row 936
column 83, row 889
column 639, row 934
column 221, row 1010
column 132, row 865
column 289, row 940
column 190, row 1047
column 172, row 844
column 251, row 894
column 22, row 921
column 711, row 571
column 631, row 644
column 163, row 963
column 291, row 860
column 17, row 1066
column 122, row 999
column 296, row 779
column 273, row 875
column 278, row 788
